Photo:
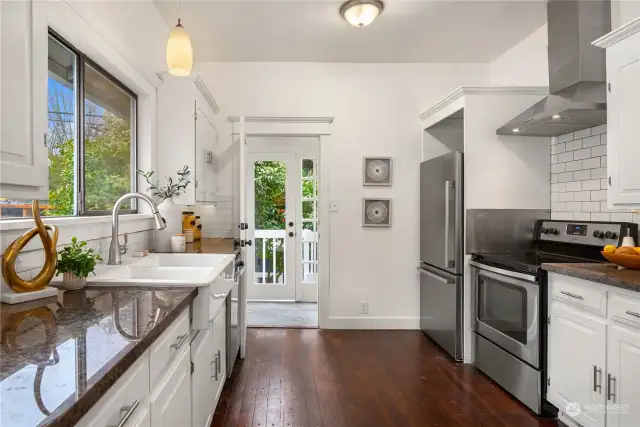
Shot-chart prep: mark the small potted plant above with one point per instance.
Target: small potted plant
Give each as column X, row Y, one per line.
column 171, row 212
column 75, row 262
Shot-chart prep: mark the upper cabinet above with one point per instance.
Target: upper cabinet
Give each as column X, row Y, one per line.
column 187, row 135
column 623, row 110
column 24, row 172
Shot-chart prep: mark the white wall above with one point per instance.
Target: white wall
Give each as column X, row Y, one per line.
column 623, row 12
column 524, row 64
column 376, row 109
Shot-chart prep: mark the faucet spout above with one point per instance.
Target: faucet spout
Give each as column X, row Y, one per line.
column 114, row 248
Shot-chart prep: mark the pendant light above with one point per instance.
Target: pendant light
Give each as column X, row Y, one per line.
column 179, row 51
column 361, row 13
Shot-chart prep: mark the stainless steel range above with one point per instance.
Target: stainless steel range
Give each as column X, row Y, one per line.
column 509, row 300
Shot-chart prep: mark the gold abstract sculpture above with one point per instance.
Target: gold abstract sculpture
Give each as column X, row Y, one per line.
column 48, row 244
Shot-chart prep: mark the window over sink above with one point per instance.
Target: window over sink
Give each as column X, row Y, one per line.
column 86, row 174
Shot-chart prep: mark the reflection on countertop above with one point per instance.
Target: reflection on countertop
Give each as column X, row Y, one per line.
column 211, row 246
column 58, row 356
column 605, row 273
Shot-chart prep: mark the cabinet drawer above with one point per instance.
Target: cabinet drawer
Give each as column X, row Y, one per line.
column 625, row 309
column 167, row 346
column 588, row 295
column 127, row 398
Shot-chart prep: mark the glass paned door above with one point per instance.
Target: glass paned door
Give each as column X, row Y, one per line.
column 271, row 217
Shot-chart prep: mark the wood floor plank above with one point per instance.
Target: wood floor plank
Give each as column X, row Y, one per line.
column 315, row 378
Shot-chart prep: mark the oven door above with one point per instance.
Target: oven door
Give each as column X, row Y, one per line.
column 507, row 310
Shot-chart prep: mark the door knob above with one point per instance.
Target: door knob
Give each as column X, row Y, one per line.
column 291, row 234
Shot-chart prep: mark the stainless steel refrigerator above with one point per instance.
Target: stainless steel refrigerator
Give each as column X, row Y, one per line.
column 442, row 251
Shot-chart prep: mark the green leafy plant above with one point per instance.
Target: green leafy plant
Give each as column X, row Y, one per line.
column 76, row 259
column 172, row 189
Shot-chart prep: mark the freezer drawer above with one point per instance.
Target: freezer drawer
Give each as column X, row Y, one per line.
column 441, row 302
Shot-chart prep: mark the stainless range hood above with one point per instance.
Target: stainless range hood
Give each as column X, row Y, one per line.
column 577, row 72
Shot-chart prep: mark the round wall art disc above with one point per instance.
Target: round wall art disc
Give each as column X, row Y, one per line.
column 377, row 212
column 377, row 171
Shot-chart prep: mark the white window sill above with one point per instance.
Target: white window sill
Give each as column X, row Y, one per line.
column 26, row 224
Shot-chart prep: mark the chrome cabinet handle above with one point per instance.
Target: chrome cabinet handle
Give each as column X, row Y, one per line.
column 633, row 313
column 219, row 296
column 128, row 410
column 216, row 360
column 611, row 386
column 219, row 362
column 181, row 339
column 569, row 294
column 597, row 379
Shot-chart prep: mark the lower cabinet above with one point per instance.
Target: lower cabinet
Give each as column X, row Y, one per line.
column 202, row 384
column 220, row 351
column 171, row 401
column 577, row 352
column 594, row 353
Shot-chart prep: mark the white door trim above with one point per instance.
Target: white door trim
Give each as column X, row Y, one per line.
column 322, row 131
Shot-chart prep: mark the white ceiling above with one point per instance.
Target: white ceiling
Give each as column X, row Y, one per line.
column 313, row 31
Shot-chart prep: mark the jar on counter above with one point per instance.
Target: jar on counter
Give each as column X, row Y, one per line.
column 197, row 231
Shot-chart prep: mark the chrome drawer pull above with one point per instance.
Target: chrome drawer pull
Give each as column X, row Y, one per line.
column 129, row 410
column 633, row 313
column 219, row 363
column 219, row 296
column 181, row 339
column 215, row 371
column 569, row 294
column 597, row 379
column 611, row 385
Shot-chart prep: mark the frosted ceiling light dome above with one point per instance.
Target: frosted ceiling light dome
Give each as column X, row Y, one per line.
column 361, row 13
column 179, row 52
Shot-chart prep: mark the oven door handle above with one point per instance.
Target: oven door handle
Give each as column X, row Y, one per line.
column 503, row 273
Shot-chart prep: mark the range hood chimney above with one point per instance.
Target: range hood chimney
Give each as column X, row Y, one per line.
column 577, row 72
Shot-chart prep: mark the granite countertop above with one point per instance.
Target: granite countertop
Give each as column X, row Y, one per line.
column 211, row 246
column 59, row 355
column 606, row 273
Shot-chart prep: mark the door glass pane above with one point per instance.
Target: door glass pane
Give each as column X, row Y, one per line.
column 309, row 204
column 308, row 168
column 109, row 138
column 503, row 306
column 270, row 216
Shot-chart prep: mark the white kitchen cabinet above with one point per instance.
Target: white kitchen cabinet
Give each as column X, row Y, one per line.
column 576, row 361
column 171, row 401
column 623, row 376
column 220, row 351
column 187, row 135
column 202, row 384
column 623, row 110
column 24, row 172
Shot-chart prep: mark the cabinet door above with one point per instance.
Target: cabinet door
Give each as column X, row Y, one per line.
column 220, row 349
column 623, row 110
column 171, row 401
column 576, row 358
column 623, row 376
column 206, row 135
column 24, row 172
column 202, row 384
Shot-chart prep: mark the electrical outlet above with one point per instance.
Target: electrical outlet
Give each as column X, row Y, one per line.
column 333, row 205
column 364, row 307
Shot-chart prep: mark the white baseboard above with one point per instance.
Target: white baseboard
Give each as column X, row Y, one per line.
column 397, row 323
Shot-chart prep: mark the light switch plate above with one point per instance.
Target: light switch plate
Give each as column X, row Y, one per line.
column 333, row 205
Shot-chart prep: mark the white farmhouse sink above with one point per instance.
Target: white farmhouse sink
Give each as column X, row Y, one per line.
column 153, row 276
column 182, row 260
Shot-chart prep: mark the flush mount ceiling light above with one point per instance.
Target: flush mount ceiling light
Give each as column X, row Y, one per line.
column 179, row 52
column 361, row 13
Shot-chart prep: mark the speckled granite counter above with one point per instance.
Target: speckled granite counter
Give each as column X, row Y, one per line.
column 60, row 355
column 608, row 274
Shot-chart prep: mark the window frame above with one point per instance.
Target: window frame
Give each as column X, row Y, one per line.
column 79, row 147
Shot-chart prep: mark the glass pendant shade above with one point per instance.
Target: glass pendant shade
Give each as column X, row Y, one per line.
column 179, row 52
column 361, row 13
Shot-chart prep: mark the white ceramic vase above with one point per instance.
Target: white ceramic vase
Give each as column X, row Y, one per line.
column 72, row 282
column 172, row 213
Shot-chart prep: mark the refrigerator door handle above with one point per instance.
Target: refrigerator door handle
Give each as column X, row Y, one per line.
column 448, row 185
column 435, row 276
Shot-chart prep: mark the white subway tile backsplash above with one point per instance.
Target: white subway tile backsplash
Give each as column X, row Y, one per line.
column 573, row 206
column 582, row 196
column 565, row 138
column 599, row 130
column 574, row 145
column 574, row 186
column 582, row 175
column 555, row 215
column 582, row 133
column 559, row 187
column 603, row 139
column 565, row 216
column 582, row 216
column 590, row 206
column 565, row 177
column 604, row 184
column 554, row 177
column 600, row 150
column 574, row 166
column 622, row 216
column 592, row 184
column 597, row 196
column 558, row 206
column 559, row 167
column 598, row 173
column 566, row 157
column 592, row 141
column 565, row 197
column 601, row 216
column 585, row 153
column 603, row 161
column 555, row 197
column 558, row 148
column 591, row 163
column 554, row 159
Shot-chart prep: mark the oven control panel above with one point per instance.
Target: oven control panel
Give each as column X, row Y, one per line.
column 586, row 233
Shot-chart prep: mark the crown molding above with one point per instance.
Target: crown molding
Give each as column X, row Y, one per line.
column 194, row 78
column 482, row 90
column 618, row 34
column 263, row 119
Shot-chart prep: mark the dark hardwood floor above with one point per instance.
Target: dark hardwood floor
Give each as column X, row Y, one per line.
column 313, row 378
